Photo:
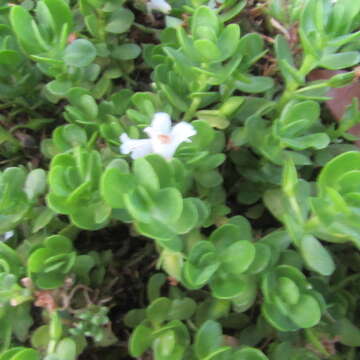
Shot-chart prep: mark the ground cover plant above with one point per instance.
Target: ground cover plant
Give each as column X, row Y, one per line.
column 177, row 181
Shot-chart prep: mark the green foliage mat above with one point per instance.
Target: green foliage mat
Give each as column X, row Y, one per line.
column 173, row 185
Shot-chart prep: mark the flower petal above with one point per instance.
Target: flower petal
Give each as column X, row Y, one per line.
column 181, row 132
column 8, row 235
column 165, row 150
column 137, row 148
column 161, row 124
column 159, row 5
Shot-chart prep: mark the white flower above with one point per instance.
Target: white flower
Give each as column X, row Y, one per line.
column 158, row 5
column 8, row 235
column 163, row 138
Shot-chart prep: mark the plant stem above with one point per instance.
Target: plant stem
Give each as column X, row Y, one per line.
column 92, row 140
column 146, row 29
column 228, row 89
column 51, row 347
column 192, row 109
column 306, row 66
column 70, row 231
column 6, row 340
column 315, row 342
column 345, row 282
column 312, row 87
column 101, row 33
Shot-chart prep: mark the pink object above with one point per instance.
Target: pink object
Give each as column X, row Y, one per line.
column 341, row 97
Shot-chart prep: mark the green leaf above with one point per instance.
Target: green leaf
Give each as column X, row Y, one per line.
column 232, row 12
column 73, row 135
column 306, row 313
column 158, row 311
column 37, row 259
column 316, row 141
column 145, row 174
column 316, row 256
column 309, row 110
column 245, row 299
column 251, row 46
column 9, row 354
column 335, row 169
column 231, row 105
column 288, row 290
column 255, row 84
column 114, row 184
column 167, row 206
column 248, row 353
column 10, row 58
column 87, row 216
column 226, row 235
column 206, row 18
column 340, row 60
column 28, row 354
column 82, row 267
column 22, row 321
column 35, row 183
column 154, row 285
column 207, row 49
column 229, row 40
column 80, row 53
column 120, row 21
column 126, row 52
column 348, row 332
column 58, row 244
column 21, row 22
column 225, row 285
column 59, row 87
column 162, row 168
column 40, row 337
column 159, row 231
column 61, row 15
column 138, row 204
column 11, row 257
column 214, row 118
column 277, row 319
column 208, row 338
column 262, row 258
column 209, row 178
column 182, row 309
column 284, row 54
column 289, row 177
column 66, row 349
column 48, row 281
column 52, row 357
column 164, row 345
column 176, row 100
column 43, row 219
column 140, row 340
column 201, row 265
column 238, row 257
column 134, row 317
column 189, row 216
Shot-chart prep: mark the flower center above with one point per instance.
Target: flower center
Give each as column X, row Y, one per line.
column 164, row 139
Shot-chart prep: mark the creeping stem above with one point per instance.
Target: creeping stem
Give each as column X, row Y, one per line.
column 315, row 342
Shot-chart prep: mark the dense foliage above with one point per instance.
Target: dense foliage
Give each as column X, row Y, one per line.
column 172, row 184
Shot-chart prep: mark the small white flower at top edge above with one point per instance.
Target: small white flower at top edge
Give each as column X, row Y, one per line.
column 8, row 235
column 158, row 5
column 163, row 138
